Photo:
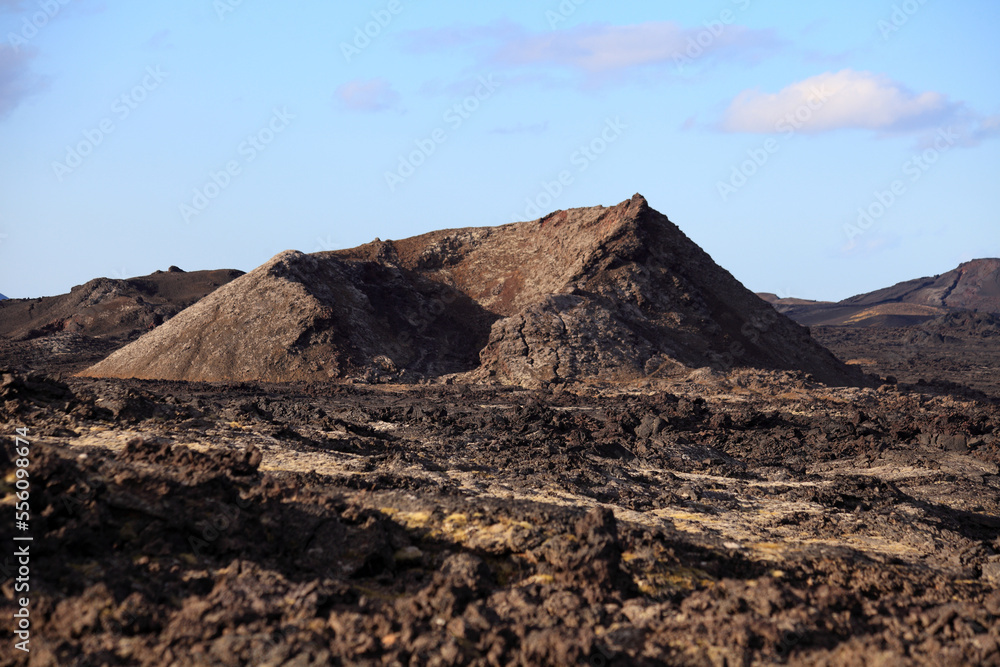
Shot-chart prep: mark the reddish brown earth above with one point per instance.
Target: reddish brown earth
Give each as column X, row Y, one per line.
column 973, row 286
column 598, row 293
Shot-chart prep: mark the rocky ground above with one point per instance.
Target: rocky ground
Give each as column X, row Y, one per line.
column 752, row 518
column 958, row 352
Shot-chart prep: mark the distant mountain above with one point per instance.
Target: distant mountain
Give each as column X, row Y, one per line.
column 110, row 307
column 973, row 286
column 2, row 297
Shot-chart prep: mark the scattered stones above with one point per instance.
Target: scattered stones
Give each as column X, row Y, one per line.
column 448, row 524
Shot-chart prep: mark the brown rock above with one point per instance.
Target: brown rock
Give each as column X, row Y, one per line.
column 110, row 307
column 588, row 294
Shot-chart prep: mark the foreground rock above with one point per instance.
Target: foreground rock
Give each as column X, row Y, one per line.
column 589, row 294
column 763, row 519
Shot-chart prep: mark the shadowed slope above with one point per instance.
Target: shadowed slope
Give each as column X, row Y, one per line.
column 310, row 317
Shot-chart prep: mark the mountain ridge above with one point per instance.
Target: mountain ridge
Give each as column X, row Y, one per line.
column 972, row 286
column 110, row 306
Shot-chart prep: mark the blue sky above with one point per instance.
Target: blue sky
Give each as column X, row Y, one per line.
column 813, row 149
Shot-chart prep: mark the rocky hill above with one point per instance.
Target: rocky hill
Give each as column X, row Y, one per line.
column 973, row 286
column 588, row 294
column 106, row 306
column 71, row 331
column 311, row 317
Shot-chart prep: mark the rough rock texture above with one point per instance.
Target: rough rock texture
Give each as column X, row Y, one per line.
column 960, row 348
column 313, row 317
column 762, row 520
column 973, row 286
column 110, row 307
column 597, row 293
column 645, row 300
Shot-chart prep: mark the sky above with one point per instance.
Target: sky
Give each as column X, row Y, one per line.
column 815, row 150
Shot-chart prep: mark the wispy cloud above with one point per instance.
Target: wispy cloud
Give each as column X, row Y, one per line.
column 975, row 129
column 598, row 52
column 16, row 80
column 370, row 95
column 839, row 100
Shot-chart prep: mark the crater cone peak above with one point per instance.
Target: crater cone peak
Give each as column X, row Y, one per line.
column 597, row 293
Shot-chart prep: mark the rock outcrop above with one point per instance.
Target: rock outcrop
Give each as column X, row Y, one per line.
column 596, row 293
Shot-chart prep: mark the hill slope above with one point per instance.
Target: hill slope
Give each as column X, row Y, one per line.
column 110, row 307
column 974, row 285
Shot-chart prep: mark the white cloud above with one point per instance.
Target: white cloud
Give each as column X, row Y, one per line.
column 600, row 49
column 838, row 100
column 368, row 95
